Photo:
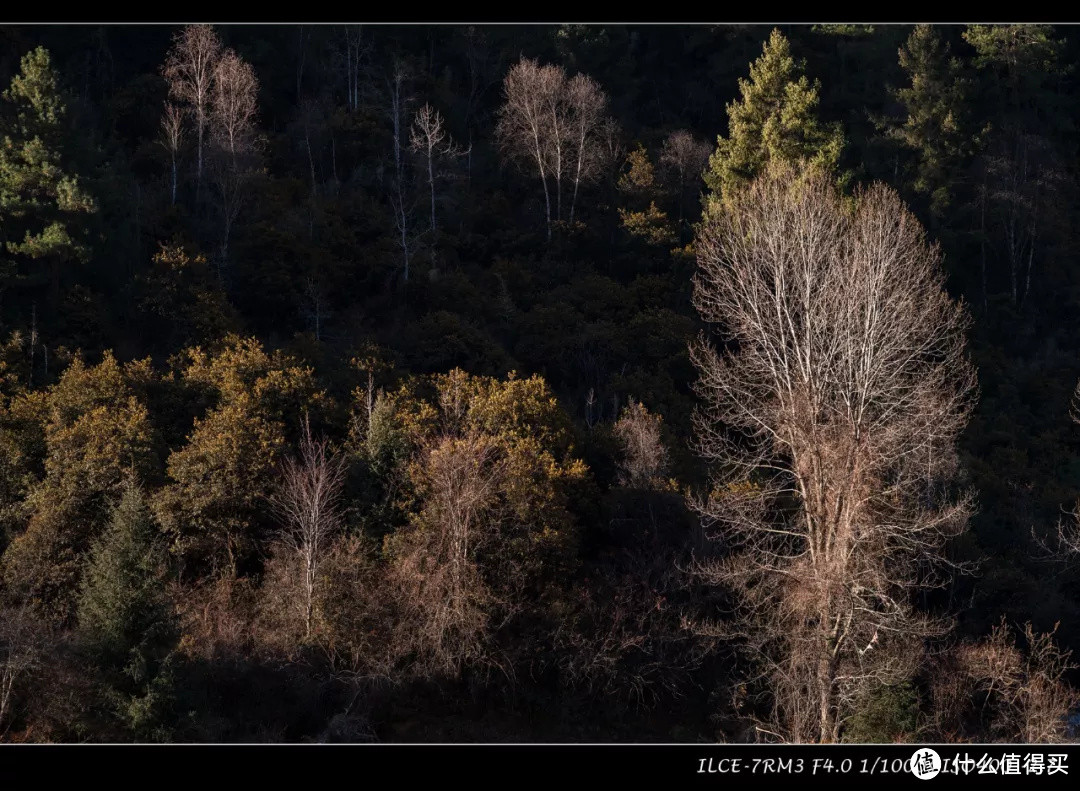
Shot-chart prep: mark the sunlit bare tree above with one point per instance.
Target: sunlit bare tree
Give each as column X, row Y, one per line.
column 555, row 127
column 189, row 70
column 524, row 128
column 172, row 138
column 429, row 138
column 644, row 457
column 355, row 52
column 587, row 115
column 235, row 103
column 307, row 502
column 445, row 600
column 830, row 412
column 235, row 95
column 1010, row 692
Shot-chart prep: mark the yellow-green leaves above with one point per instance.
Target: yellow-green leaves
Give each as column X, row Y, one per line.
column 775, row 119
column 96, row 434
column 213, row 507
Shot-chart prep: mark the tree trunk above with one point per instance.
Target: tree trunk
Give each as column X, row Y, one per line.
column 573, row 200
column 431, row 185
column 309, row 590
column 826, row 726
column 198, row 166
column 547, row 206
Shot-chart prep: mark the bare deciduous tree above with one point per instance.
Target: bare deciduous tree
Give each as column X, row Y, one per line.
column 1041, row 698
column 355, row 52
column 644, row 455
column 235, row 103
column 1027, row 177
column 684, row 157
column 1012, row 694
column 371, row 363
column 402, row 202
column 409, row 240
column 189, row 70
column 172, row 138
column 315, row 307
column 554, row 127
column 312, row 121
column 831, row 417
column 235, row 91
column 554, row 114
column 624, row 639
column 587, row 105
column 308, row 504
column 230, row 185
column 22, row 647
column 445, row 599
column 523, row 127
column 428, row 136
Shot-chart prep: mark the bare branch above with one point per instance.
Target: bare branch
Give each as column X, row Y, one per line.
column 307, row 502
column 189, row 69
column 831, row 417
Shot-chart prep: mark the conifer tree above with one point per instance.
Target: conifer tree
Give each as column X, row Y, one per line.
column 41, row 200
column 126, row 618
column 776, row 119
column 935, row 128
column 88, row 432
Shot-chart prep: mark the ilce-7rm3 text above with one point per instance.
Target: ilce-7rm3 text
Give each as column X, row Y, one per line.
column 800, row 766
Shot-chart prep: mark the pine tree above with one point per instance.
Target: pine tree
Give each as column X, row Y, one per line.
column 776, row 118
column 1023, row 62
column 126, row 618
column 935, row 128
column 40, row 201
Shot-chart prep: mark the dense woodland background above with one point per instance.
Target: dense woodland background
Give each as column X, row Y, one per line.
column 355, row 271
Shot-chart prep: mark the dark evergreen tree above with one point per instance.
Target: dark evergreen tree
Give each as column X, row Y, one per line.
column 937, row 129
column 126, row 620
column 41, row 199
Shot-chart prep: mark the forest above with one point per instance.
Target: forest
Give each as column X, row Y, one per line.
column 539, row 383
